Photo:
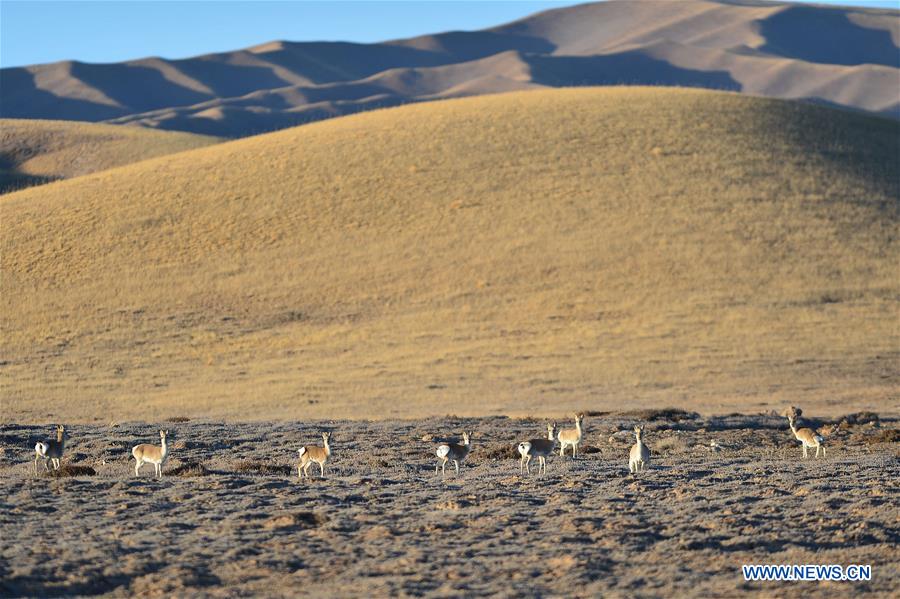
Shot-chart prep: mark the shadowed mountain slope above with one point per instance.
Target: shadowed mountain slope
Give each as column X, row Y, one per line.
column 34, row 152
column 518, row 253
column 847, row 57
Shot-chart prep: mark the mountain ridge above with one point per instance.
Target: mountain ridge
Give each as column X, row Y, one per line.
column 769, row 49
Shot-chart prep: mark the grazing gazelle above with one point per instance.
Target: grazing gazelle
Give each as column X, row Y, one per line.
column 453, row 451
column 571, row 436
column 639, row 458
column 51, row 451
column 151, row 454
column 311, row 453
column 541, row 448
column 806, row 436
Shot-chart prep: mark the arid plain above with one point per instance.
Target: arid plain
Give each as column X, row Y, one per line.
column 231, row 518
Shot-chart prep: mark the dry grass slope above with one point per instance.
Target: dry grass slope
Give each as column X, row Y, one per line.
column 523, row 253
column 34, row 152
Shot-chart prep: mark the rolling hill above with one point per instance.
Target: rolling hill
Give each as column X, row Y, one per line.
column 519, row 253
column 35, row 152
column 847, row 57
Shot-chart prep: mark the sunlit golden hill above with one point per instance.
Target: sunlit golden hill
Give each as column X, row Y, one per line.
column 34, row 152
column 532, row 252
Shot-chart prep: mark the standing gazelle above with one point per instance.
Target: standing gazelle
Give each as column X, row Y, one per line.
column 571, row 436
column 151, row 454
column 311, row 453
column 537, row 447
column 806, row 436
column 51, row 451
column 453, row 451
column 639, row 458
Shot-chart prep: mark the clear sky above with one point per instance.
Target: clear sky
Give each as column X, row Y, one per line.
column 34, row 31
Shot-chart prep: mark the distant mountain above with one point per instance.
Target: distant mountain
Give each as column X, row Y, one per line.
column 846, row 57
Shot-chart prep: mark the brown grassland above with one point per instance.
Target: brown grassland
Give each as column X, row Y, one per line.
column 527, row 253
column 35, row 151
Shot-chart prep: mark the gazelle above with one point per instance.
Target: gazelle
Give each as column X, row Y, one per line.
column 571, row 436
column 51, row 451
column 639, row 458
column 151, row 454
column 541, row 448
column 806, row 436
column 311, row 453
column 453, row 451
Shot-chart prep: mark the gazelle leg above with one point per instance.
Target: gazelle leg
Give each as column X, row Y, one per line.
column 528, row 464
column 322, row 468
column 456, row 464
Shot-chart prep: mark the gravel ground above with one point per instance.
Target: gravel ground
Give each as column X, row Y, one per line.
column 231, row 518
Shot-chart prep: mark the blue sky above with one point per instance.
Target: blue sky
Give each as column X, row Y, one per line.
column 34, row 31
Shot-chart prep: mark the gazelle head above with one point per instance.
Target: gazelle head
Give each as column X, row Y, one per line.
column 551, row 430
column 792, row 420
column 326, row 436
column 466, row 436
column 60, row 431
column 579, row 417
column 162, row 435
column 793, row 413
column 638, row 431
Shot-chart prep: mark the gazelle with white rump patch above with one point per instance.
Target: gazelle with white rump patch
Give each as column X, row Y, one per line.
column 151, row 454
column 51, row 451
column 311, row 453
column 571, row 436
column 540, row 448
column 639, row 458
column 807, row 436
column 454, row 451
